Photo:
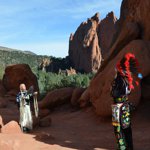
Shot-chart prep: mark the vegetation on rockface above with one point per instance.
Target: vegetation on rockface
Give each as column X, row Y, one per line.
column 47, row 80
column 51, row 81
column 19, row 57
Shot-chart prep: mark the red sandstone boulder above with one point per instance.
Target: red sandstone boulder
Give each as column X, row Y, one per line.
column 17, row 74
column 11, row 127
column 84, row 50
column 56, row 98
column 76, row 95
column 100, row 86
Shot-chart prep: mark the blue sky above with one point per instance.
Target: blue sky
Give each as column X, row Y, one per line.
column 44, row 26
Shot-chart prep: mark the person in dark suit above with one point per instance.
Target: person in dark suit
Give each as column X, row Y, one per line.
column 127, row 72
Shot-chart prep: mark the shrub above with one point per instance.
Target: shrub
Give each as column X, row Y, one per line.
column 51, row 81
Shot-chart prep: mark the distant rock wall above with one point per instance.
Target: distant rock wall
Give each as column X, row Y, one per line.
column 106, row 31
column 91, row 42
column 84, row 50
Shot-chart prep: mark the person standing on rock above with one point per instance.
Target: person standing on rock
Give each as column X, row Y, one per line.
column 127, row 72
column 24, row 99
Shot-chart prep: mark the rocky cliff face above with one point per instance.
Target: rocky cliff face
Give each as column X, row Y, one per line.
column 133, row 24
column 91, row 42
column 101, row 84
column 137, row 11
column 84, row 50
column 106, row 31
column 133, row 35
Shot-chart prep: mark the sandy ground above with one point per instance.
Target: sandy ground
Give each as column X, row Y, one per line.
column 79, row 130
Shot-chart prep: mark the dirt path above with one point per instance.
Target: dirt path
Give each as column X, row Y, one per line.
column 79, row 130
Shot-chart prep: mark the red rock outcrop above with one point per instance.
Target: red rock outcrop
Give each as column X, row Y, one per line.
column 106, row 31
column 11, row 127
column 133, row 24
column 100, row 85
column 76, row 95
column 132, row 35
column 136, row 11
column 84, row 50
column 70, row 71
column 84, row 99
column 17, row 74
column 56, row 98
column 67, row 72
column 44, row 64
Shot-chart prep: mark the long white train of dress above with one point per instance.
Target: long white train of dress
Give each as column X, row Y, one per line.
column 26, row 117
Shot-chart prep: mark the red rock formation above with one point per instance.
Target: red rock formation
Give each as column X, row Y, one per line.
column 56, row 97
column 45, row 64
column 76, row 95
column 100, row 85
column 133, row 24
column 106, row 31
column 11, row 127
column 70, row 71
column 85, row 98
column 3, row 102
column 2, row 89
column 67, row 72
column 17, row 74
column 84, row 50
column 136, row 11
